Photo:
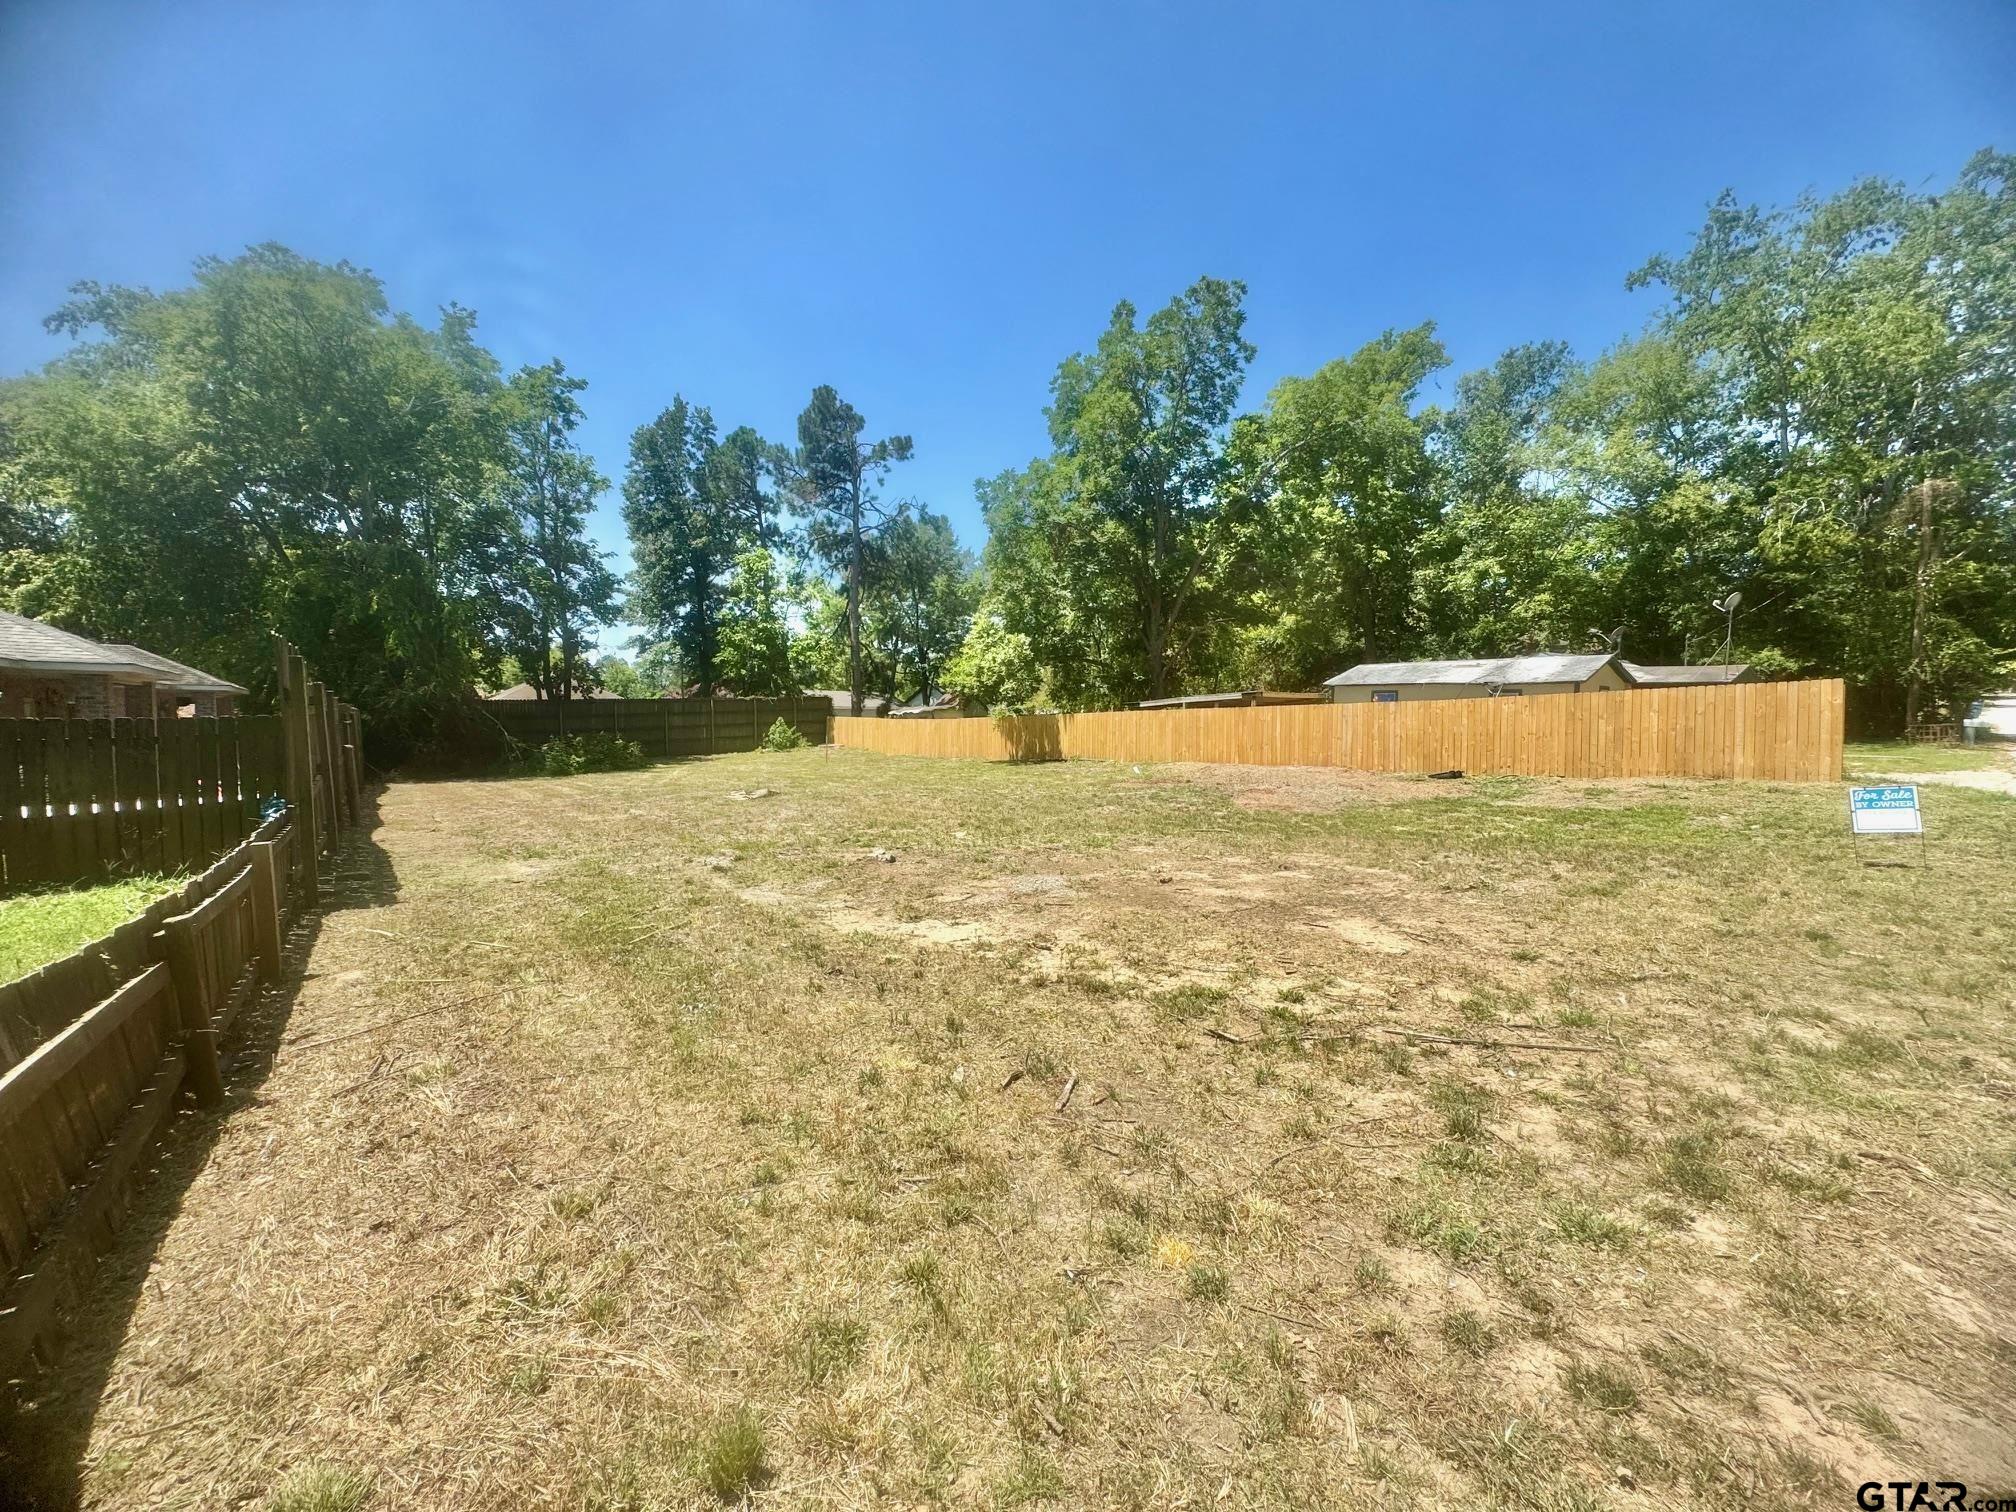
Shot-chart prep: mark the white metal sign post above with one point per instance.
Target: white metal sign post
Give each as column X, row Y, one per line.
column 1885, row 811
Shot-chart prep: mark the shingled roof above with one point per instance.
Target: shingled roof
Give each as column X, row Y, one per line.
column 175, row 676
column 28, row 645
column 1686, row 677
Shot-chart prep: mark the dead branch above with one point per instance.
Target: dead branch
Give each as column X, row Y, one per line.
column 1484, row 1044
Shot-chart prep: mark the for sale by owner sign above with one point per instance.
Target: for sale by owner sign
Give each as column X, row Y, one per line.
column 1885, row 811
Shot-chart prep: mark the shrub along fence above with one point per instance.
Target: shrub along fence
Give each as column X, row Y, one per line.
column 95, row 1049
column 1789, row 731
column 667, row 728
column 85, row 799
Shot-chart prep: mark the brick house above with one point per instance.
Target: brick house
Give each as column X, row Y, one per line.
column 47, row 673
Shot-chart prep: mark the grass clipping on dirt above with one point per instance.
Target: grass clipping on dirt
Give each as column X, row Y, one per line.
column 828, row 1129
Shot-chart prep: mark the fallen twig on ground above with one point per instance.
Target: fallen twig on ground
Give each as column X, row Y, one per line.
column 1484, row 1044
column 1070, row 1086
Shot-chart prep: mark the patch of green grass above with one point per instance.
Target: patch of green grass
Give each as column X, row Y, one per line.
column 1191, row 1000
column 731, row 1457
column 1603, row 1387
column 1435, row 1223
column 1579, row 1223
column 42, row 927
column 1207, row 1283
column 1034, row 1478
column 1468, row 1334
column 320, row 1488
column 1691, row 1165
column 832, row 1345
column 1859, row 756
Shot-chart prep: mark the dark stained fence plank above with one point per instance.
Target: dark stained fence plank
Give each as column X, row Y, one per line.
column 13, row 827
column 105, row 795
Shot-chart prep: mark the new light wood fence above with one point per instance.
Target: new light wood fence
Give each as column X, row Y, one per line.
column 94, row 1051
column 667, row 728
column 1787, row 732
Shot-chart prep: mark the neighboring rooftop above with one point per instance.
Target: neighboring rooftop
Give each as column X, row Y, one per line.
column 843, row 700
column 1686, row 677
column 28, row 645
column 1504, row 669
column 1250, row 697
column 175, row 676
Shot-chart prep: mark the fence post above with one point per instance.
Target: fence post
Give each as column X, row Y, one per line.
column 266, row 907
column 332, row 740
column 199, row 1040
column 300, row 776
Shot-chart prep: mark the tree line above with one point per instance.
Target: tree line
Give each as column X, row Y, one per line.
column 1818, row 415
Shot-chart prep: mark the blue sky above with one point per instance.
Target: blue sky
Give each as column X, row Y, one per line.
column 929, row 205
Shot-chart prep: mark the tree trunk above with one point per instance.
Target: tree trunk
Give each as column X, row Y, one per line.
column 1921, row 588
column 854, row 604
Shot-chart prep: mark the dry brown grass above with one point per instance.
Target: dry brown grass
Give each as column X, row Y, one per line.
column 740, row 1168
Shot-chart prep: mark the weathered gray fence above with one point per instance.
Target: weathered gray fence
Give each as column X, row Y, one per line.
column 667, row 728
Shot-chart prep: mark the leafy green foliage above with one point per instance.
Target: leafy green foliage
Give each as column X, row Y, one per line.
column 273, row 448
column 832, row 477
column 568, row 755
column 1818, row 416
column 783, row 736
column 1105, row 554
column 696, row 505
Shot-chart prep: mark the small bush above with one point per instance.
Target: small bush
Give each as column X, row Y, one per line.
column 783, row 737
column 568, row 755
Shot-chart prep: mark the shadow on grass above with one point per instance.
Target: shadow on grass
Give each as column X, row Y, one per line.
column 46, row 1418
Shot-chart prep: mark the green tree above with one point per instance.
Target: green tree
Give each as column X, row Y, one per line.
column 316, row 463
column 833, row 477
column 566, row 589
column 1512, row 565
column 1335, row 488
column 994, row 665
column 1108, row 549
column 694, row 502
column 755, row 649
column 1856, row 350
column 921, row 601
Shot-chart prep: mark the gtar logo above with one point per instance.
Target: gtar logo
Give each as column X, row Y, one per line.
column 1912, row 1496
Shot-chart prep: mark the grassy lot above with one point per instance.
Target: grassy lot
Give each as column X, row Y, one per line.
column 45, row 927
column 1102, row 1136
column 1906, row 756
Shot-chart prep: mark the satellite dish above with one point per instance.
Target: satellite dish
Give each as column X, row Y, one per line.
column 1728, row 605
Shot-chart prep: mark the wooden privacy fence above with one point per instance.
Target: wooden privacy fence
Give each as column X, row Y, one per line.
column 93, row 1052
column 86, row 799
column 90, row 798
column 1789, row 732
column 667, row 728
